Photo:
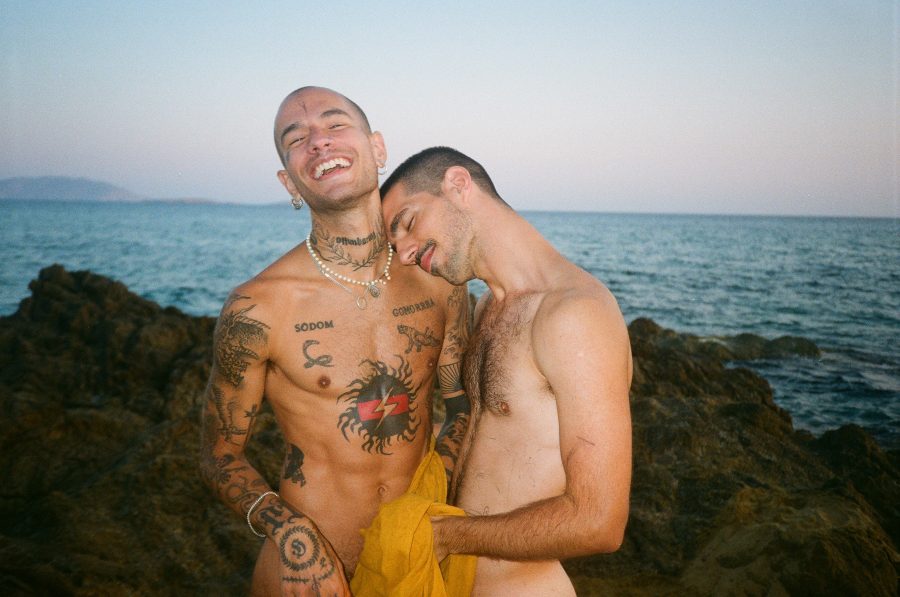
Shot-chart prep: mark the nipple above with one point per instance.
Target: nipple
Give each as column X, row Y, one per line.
column 430, row 363
column 324, row 381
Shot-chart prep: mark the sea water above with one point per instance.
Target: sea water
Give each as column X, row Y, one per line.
column 835, row 281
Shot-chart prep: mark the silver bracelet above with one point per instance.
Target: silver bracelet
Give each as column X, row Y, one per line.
column 255, row 504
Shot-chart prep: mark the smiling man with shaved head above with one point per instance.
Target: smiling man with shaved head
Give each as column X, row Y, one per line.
column 346, row 349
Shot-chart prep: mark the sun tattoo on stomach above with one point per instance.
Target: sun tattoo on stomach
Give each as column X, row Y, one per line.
column 381, row 407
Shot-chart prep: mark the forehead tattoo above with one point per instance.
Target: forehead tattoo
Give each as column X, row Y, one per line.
column 326, row 114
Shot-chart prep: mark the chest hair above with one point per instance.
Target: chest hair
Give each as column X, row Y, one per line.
column 486, row 369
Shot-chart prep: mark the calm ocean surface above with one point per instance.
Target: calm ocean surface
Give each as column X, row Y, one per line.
column 834, row 281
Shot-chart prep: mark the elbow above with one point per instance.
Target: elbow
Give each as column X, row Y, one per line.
column 606, row 535
column 610, row 541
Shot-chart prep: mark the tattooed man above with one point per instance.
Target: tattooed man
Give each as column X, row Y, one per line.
column 545, row 468
column 345, row 348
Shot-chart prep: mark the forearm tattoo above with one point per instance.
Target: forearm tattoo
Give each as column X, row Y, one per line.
column 381, row 406
column 453, row 431
column 450, row 379
column 303, row 555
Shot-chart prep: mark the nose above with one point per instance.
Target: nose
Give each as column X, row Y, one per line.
column 319, row 139
column 406, row 251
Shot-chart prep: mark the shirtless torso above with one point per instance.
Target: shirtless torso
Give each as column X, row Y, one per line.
column 545, row 470
column 514, row 457
column 351, row 390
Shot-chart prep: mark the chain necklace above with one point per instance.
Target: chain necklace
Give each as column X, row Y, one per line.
column 371, row 287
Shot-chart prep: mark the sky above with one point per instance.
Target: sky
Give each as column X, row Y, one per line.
column 757, row 107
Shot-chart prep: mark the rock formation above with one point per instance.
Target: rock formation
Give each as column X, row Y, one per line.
column 100, row 495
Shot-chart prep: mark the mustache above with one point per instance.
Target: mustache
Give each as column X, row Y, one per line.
column 428, row 244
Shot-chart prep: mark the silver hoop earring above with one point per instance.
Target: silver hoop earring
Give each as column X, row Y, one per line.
column 297, row 201
column 381, row 170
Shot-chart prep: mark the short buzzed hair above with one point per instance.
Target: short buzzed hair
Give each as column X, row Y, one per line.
column 425, row 171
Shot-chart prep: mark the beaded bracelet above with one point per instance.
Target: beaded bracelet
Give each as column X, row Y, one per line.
column 255, row 504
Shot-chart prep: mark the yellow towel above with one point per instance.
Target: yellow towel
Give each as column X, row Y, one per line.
column 398, row 558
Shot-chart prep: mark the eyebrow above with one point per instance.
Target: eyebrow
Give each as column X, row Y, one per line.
column 326, row 114
column 291, row 127
column 334, row 112
column 396, row 221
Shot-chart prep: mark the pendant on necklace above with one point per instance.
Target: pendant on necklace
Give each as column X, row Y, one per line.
column 374, row 290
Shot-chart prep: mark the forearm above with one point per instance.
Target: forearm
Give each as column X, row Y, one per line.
column 554, row 528
column 453, row 431
column 233, row 479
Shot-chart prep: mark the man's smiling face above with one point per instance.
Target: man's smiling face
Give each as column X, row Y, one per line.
column 328, row 152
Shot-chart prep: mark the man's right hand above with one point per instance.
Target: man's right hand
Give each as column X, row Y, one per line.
column 309, row 564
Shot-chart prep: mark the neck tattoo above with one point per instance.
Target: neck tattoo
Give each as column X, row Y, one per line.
column 371, row 286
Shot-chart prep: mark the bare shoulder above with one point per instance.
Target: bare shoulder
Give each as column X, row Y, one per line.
column 581, row 341
column 585, row 306
column 264, row 296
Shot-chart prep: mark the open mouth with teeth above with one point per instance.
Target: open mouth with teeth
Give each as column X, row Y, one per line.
column 330, row 166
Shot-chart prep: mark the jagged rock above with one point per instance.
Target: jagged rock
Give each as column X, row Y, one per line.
column 727, row 499
column 101, row 392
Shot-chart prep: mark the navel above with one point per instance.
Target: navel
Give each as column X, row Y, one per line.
column 324, row 381
column 382, row 490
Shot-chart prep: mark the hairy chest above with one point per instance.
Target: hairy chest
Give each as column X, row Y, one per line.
column 498, row 358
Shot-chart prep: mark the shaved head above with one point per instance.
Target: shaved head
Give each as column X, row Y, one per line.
column 296, row 95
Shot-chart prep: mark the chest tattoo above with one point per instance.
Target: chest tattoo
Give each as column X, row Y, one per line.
column 381, row 407
column 414, row 308
column 417, row 339
column 324, row 360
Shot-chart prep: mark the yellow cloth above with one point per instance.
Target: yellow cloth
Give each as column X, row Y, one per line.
column 398, row 558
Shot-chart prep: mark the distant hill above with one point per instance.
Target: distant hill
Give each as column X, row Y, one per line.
column 63, row 188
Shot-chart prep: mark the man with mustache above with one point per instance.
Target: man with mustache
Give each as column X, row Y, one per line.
column 345, row 348
column 545, row 469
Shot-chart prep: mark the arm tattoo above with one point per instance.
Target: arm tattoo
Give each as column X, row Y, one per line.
column 237, row 337
column 459, row 330
column 453, row 431
column 324, row 360
column 450, row 379
column 225, row 411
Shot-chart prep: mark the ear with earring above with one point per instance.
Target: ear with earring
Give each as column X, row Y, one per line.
column 297, row 201
column 381, row 170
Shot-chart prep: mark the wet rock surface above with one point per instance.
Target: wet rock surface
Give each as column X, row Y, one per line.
column 100, row 494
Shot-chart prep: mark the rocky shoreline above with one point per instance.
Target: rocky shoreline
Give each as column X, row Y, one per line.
column 101, row 392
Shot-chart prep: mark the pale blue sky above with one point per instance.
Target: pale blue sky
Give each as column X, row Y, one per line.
column 755, row 107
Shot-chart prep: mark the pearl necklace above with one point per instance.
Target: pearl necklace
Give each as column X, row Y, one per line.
column 371, row 286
